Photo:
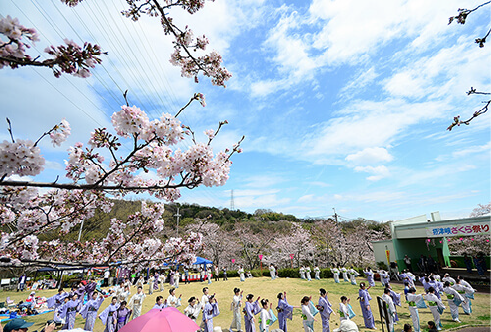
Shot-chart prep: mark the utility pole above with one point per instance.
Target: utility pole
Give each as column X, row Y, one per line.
column 177, row 228
column 335, row 215
column 80, row 231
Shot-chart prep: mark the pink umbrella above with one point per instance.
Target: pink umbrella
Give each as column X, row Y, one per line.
column 162, row 320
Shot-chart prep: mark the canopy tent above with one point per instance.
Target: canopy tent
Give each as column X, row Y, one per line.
column 61, row 268
column 201, row 260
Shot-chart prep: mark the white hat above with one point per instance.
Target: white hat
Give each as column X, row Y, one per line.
column 33, row 292
column 217, row 329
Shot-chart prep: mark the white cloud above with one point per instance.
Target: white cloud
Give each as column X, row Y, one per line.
column 306, row 198
column 471, row 150
column 368, row 125
column 379, row 172
column 370, row 156
column 263, row 181
column 356, row 86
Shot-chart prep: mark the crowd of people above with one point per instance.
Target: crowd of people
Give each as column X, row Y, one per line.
column 248, row 312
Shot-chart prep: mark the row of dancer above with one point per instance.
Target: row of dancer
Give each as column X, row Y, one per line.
column 305, row 273
column 345, row 272
column 284, row 310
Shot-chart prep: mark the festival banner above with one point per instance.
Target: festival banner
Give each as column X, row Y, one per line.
column 458, row 230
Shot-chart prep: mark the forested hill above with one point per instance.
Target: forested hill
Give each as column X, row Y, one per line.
column 242, row 236
column 97, row 227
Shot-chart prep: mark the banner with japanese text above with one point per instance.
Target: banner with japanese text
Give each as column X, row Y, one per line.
column 458, row 230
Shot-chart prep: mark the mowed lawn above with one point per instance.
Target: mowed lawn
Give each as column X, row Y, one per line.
column 296, row 289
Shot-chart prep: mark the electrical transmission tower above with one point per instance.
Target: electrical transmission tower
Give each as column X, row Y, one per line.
column 232, row 206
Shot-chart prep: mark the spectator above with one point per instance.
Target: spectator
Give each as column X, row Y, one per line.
column 106, row 278
column 422, row 264
column 18, row 324
column 407, row 260
column 22, row 283
column 432, row 267
column 468, row 263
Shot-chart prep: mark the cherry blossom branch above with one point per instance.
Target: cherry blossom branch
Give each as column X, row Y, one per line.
column 461, row 19
column 70, row 58
column 10, row 130
column 458, row 122
column 185, row 45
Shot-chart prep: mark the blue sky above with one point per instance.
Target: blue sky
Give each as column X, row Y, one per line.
column 344, row 104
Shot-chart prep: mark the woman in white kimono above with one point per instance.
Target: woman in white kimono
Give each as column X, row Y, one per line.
column 317, row 272
column 236, row 311
column 266, row 317
column 412, row 300
column 353, row 274
column 390, row 308
column 302, row 272
column 241, row 273
column 124, row 295
column 176, row 279
column 136, row 302
column 193, row 309
column 205, row 298
column 335, row 274
column 202, row 274
column 208, row 275
column 162, row 281
column 345, row 274
column 272, row 272
column 308, row 318
column 307, row 273
column 173, row 300
column 150, row 285
column 436, row 305
column 465, row 292
column 140, row 282
column 454, row 299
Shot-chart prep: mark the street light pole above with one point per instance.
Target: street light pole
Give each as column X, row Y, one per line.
column 177, row 228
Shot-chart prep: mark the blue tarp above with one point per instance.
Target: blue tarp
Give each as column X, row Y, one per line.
column 201, row 260
column 61, row 268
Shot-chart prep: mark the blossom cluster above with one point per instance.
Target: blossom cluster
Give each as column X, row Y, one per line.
column 70, row 58
column 14, row 47
column 135, row 239
column 152, row 150
column 187, row 47
column 21, row 157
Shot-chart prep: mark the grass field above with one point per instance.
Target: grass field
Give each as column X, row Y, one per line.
column 296, row 289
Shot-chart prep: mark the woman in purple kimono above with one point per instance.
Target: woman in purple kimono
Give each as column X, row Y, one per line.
column 396, row 298
column 89, row 310
column 56, row 302
column 210, row 311
column 156, row 282
column 90, row 288
column 121, row 316
column 250, row 310
column 284, row 311
column 369, row 275
column 325, row 310
column 107, row 315
column 69, row 311
column 365, row 298
column 171, row 278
